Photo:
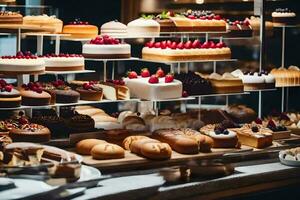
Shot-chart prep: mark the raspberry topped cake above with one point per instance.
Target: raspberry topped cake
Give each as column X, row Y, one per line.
column 156, row 87
column 106, row 47
column 9, row 97
column 63, row 62
column 239, row 28
column 8, row 17
column 204, row 20
column 33, row 95
column 282, row 16
column 22, row 63
column 184, row 51
column 90, row 92
column 80, row 29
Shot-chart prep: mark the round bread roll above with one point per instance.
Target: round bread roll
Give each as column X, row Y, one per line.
column 137, row 145
column 156, row 151
column 128, row 141
column 107, row 151
column 84, row 147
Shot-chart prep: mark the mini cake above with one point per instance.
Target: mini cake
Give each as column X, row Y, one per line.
column 22, row 63
column 30, row 133
column 205, row 20
column 225, row 83
column 9, row 97
column 254, row 135
column 114, row 29
column 90, row 92
column 239, row 28
column 61, row 93
column 8, row 17
column 194, row 84
column 112, row 89
column 79, row 29
column 105, row 47
column 279, row 130
column 255, row 80
column 33, row 95
column 190, row 50
column 64, row 62
column 283, row 17
column 241, row 114
column 78, row 123
column 144, row 26
column 154, row 87
column 49, row 119
column 44, row 21
column 222, row 134
column 166, row 24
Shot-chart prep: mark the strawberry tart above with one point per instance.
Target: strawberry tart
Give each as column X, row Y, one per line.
column 9, row 97
column 106, row 47
column 144, row 26
column 64, row 62
column 22, row 63
column 79, row 29
column 156, row 87
column 190, row 50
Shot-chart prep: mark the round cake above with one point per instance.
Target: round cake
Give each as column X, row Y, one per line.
column 143, row 27
column 90, row 92
column 30, row 133
column 79, row 29
column 64, row 62
column 8, row 17
column 283, row 16
column 106, row 47
column 114, row 29
column 44, row 21
column 22, row 63
column 9, row 97
column 33, row 95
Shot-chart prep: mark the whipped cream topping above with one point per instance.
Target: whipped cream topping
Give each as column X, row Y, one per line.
column 230, row 134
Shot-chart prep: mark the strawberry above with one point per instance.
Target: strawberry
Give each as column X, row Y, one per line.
column 188, row 45
column 132, row 74
column 153, row 79
column 169, row 43
column 157, row 45
column 196, row 44
column 145, row 73
column 212, row 45
column 271, row 124
column 205, row 45
column 185, row 94
column 163, row 45
column 220, row 45
column 87, row 86
column 180, row 45
column 246, row 22
column 203, row 18
column 23, row 121
column 191, row 17
column 217, row 17
column 169, row 78
column 160, row 73
column 8, row 88
column 258, row 121
column 150, row 44
column 174, row 45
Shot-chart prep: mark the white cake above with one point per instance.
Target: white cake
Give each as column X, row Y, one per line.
column 140, row 88
column 14, row 66
column 114, row 28
column 106, row 51
column 143, row 27
column 64, row 62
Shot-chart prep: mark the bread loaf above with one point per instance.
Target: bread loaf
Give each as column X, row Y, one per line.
column 84, row 147
column 177, row 140
column 205, row 143
column 147, row 147
column 107, row 151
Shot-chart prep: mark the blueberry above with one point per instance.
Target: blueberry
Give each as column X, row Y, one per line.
column 218, row 132
column 226, row 132
column 255, row 129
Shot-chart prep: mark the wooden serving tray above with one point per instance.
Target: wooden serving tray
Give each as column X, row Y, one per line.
column 133, row 161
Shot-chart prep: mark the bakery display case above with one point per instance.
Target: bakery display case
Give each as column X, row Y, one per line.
column 176, row 100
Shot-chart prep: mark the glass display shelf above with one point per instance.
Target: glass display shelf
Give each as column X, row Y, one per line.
column 168, row 100
column 186, row 61
column 223, row 94
column 111, row 59
column 262, row 90
column 69, row 72
column 80, row 102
